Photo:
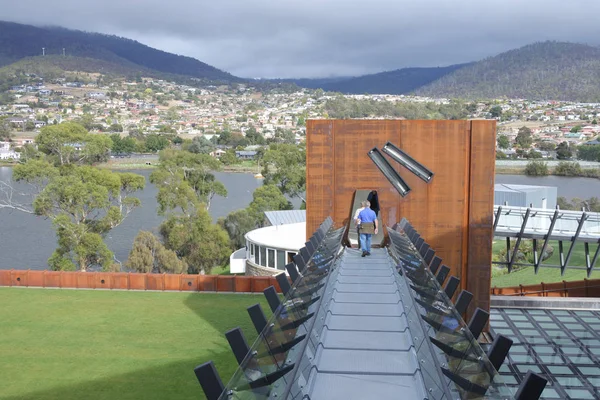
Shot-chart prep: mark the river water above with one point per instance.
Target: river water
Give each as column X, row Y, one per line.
column 26, row 241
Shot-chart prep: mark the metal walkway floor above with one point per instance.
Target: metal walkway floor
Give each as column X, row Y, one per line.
column 365, row 349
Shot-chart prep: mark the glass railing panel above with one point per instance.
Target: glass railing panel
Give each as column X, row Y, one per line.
column 456, row 351
column 266, row 369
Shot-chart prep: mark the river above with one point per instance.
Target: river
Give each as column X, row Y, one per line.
column 26, row 241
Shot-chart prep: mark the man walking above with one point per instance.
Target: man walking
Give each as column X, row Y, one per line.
column 357, row 222
column 368, row 227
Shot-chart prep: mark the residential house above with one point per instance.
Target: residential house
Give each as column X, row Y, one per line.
column 245, row 155
column 217, row 153
column 6, row 153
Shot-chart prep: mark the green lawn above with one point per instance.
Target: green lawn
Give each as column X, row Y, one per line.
column 68, row 344
column 526, row 276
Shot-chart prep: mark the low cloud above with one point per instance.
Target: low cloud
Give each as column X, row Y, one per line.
column 317, row 38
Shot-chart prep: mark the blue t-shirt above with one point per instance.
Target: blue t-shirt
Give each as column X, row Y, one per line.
column 367, row 215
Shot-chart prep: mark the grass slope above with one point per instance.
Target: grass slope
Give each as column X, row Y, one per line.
column 527, row 276
column 68, row 344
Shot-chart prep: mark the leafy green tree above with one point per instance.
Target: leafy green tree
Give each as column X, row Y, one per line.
column 589, row 152
column 201, row 145
column 194, row 238
column 576, row 128
column 84, row 204
column 229, row 158
column 224, row 137
column 6, row 133
column 177, row 140
column 156, row 143
column 115, row 128
column 563, row 152
column 524, row 138
column 148, row 254
column 547, row 146
column 267, row 198
column 87, row 121
column 536, row 168
column 501, row 155
column 186, row 180
column 496, row 112
column 237, row 224
column 284, row 165
column 534, row 154
column 503, row 142
column 254, row 137
column 70, row 143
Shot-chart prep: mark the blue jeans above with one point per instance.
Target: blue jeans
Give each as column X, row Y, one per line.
column 365, row 241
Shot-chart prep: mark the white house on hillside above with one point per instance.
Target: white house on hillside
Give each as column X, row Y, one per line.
column 6, row 153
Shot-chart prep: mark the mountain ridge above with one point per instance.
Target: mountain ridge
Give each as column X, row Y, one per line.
column 18, row 41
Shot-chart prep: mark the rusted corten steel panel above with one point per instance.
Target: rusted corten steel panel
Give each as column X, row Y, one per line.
column 442, row 211
column 481, row 209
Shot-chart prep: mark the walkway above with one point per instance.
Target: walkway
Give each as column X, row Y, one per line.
column 365, row 349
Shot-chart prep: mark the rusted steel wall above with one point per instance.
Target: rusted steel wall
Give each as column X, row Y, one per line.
column 584, row 288
column 453, row 213
column 135, row 281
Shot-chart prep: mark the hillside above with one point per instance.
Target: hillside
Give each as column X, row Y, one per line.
column 19, row 41
column 400, row 81
column 540, row 71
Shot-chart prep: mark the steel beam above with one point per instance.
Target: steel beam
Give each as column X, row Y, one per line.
column 584, row 217
column 593, row 262
column 516, row 249
column 498, row 213
column 546, row 239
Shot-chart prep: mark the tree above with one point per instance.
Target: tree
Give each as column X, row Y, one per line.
column 500, row 155
column 254, row 137
column 6, row 133
column 194, row 238
column 503, row 142
column 115, row 128
column 524, row 138
column 284, row 165
column 496, row 112
column 576, row 128
column 536, row 168
column 186, row 180
column 70, row 143
column 201, row 145
column 267, row 198
column 547, row 146
column 563, row 152
column 84, row 203
column 156, row 142
column 148, row 254
column 229, row 158
column 534, row 154
column 237, row 224
column 589, row 152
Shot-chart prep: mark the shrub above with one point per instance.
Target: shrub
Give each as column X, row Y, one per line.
column 536, row 168
column 565, row 168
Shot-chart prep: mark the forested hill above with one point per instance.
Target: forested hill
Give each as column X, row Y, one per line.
column 19, row 41
column 400, row 81
column 548, row 71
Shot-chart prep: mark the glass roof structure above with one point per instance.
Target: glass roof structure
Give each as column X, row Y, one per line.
column 563, row 346
column 352, row 329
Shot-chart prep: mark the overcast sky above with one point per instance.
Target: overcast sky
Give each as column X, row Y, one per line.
column 320, row 38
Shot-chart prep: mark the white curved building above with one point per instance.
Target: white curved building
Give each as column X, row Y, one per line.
column 268, row 249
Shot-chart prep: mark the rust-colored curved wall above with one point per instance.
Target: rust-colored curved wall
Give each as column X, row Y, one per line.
column 453, row 213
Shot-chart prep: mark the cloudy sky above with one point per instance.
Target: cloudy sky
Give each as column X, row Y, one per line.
column 321, row 38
